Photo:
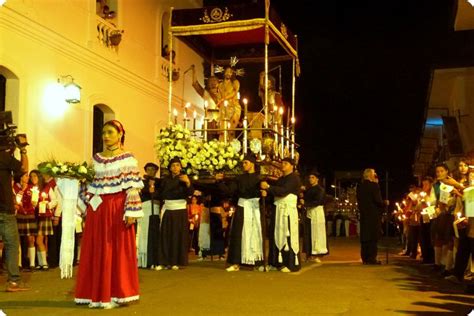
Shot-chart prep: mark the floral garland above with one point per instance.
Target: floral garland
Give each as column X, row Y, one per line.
column 197, row 157
column 67, row 169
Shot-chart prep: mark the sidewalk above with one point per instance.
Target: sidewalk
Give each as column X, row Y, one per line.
column 340, row 286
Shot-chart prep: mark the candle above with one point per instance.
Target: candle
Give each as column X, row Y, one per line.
column 205, row 109
column 42, row 207
column 194, row 119
column 19, row 197
column 245, row 106
column 34, row 195
column 225, row 130
column 282, row 145
column 175, row 114
column 245, row 135
column 288, row 117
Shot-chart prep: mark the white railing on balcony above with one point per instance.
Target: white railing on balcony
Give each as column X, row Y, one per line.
column 108, row 33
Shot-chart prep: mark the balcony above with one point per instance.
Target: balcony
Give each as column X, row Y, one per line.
column 108, row 34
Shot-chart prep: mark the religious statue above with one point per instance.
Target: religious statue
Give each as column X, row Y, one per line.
column 229, row 103
column 275, row 101
column 211, row 97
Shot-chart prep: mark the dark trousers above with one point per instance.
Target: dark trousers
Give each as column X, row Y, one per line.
column 368, row 251
column 427, row 250
column 413, row 239
column 11, row 241
column 465, row 250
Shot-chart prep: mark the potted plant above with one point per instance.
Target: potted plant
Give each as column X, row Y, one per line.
column 115, row 37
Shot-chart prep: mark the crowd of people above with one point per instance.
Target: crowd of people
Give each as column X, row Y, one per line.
column 131, row 221
column 437, row 222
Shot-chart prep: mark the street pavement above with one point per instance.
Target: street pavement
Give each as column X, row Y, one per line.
column 341, row 285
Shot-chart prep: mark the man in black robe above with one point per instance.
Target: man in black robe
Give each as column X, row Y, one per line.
column 371, row 208
column 284, row 241
column 174, row 240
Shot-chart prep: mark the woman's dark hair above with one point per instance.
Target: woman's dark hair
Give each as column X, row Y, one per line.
column 40, row 178
column 118, row 127
column 442, row 165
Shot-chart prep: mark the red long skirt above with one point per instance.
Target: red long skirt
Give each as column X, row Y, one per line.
column 108, row 269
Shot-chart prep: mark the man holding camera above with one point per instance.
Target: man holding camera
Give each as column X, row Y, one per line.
column 9, row 166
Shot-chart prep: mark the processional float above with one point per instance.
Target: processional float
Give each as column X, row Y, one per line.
column 253, row 34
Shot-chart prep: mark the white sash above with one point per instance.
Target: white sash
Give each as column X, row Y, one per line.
column 173, row 205
column 286, row 209
column 251, row 249
column 318, row 230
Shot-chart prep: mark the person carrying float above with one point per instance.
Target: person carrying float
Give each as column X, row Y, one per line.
column 284, row 249
column 246, row 241
column 174, row 240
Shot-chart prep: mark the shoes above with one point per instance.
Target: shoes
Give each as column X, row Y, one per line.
column 446, row 273
column 271, row 268
column 317, row 260
column 43, row 268
column 285, row 270
column 376, row 262
column 111, row 305
column 233, row 268
column 16, row 287
column 260, row 268
column 221, row 258
column 174, row 268
column 159, row 268
column 453, row 279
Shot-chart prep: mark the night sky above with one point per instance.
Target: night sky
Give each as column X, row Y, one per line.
column 362, row 93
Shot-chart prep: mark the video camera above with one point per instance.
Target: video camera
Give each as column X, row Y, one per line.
column 8, row 137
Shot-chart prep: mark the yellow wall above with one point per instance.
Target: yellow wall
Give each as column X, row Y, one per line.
column 41, row 40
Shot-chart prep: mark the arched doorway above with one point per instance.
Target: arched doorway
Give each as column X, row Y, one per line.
column 9, row 93
column 102, row 114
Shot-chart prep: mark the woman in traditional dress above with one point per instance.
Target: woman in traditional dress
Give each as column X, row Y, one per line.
column 174, row 239
column 25, row 215
column 246, row 241
column 108, row 272
column 315, row 243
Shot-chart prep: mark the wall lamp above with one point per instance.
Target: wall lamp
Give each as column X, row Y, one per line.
column 72, row 91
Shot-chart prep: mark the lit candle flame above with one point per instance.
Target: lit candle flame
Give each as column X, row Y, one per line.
column 293, row 120
column 194, row 114
column 281, row 110
column 459, row 214
column 245, row 101
column 188, row 104
column 225, row 103
column 175, row 112
column 205, row 104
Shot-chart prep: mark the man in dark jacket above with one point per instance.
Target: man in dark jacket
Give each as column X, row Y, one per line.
column 371, row 207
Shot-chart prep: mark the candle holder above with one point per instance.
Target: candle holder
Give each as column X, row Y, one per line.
column 245, row 123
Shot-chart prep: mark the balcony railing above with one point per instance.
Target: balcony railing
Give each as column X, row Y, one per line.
column 108, row 33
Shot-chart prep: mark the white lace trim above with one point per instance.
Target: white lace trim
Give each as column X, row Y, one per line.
column 105, row 304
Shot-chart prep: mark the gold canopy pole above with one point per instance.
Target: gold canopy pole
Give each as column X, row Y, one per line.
column 170, row 68
column 293, row 92
column 293, row 85
column 267, row 40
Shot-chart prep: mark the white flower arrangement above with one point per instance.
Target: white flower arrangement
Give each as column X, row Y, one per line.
column 197, row 157
column 56, row 168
